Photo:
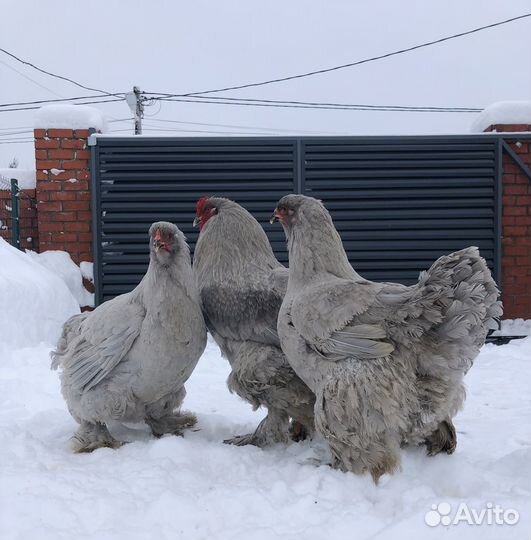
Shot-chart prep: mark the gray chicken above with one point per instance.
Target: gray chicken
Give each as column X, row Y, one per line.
column 241, row 286
column 385, row 361
column 128, row 359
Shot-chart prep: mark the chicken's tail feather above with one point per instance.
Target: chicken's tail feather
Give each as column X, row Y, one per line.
column 468, row 296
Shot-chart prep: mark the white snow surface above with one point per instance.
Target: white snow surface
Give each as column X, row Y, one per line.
column 70, row 117
column 195, row 487
column 503, row 112
column 26, row 178
column 62, row 265
column 34, row 301
column 87, row 270
column 515, row 327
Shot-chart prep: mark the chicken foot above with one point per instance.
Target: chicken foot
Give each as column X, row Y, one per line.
column 273, row 429
column 91, row 436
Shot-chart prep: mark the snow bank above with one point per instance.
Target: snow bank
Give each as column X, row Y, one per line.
column 515, row 327
column 26, row 178
column 503, row 112
column 34, row 302
column 61, row 264
column 70, row 117
column 87, row 270
column 195, row 487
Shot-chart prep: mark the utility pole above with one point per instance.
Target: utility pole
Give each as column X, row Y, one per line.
column 136, row 104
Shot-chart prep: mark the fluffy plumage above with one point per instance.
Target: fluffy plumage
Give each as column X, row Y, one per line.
column 128, row 359
column 242, row 285
column 385, row 361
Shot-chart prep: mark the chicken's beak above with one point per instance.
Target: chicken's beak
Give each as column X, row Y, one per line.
column 274, row 217
column 158, row 242
column 197, row 221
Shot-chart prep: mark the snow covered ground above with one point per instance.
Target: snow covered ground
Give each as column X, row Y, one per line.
column 198, row 488
column 195, row 487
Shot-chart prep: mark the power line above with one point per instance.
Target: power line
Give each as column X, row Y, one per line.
column 15, row 127
column 10, row 133
column 120, row 120
column 239, row 126
column 399, row 107
column 29, row 78
column 322, row 107
column 359, row 62
column 81, row 103
column 426, row 108
column 26, row 63
column 41, row 101
column 155, row 128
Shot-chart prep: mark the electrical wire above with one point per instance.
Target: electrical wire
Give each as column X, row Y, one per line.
column 323, row 107
column 26, row 63
column 81, row 103
column 359, row 62
column 230, row 126
column 10, row 133
column 202, row 131
column 15, row 127
column 41, row 101
column 426, row 108
column 30, row 79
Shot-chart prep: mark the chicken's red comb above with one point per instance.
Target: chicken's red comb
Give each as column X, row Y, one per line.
column 201, row 204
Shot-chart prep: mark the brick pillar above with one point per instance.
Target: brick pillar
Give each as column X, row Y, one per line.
column 516, row 243
column 63, row 191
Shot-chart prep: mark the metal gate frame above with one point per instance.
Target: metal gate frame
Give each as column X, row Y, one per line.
column 96, row 142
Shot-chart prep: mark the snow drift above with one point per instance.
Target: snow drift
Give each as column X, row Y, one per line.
column 62, row 265
column 34, row 302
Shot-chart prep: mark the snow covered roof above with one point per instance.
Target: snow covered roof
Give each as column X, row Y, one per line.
column 25, row 177
column 70, row 117
column 503, row 112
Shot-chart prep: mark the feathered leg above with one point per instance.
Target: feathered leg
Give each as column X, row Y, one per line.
column 262, row 376
column 443, row 439
column 91, row 436
column 362, row 416
column 271, row 430
column 162, row 417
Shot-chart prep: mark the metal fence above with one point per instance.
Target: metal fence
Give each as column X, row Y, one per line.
column 398, row 202
column 10, row 210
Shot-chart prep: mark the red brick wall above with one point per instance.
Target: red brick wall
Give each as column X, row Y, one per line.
column 29, row 234
column 63, row 199
column 516, row 242
column 63, row 204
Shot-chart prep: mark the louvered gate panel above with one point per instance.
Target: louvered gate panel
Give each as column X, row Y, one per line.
column 398, row 202
column 146, row 179
column 401, row 202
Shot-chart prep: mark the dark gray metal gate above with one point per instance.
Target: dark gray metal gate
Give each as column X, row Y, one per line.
column 398, row 202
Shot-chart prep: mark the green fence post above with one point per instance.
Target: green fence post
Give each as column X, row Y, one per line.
column 15, row 212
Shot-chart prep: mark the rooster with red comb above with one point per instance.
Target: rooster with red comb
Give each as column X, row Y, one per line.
column 242, row 285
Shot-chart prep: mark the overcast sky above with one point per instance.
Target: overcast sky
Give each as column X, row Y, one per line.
column 181, row 47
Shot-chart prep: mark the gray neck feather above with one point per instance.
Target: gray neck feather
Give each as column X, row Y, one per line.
column 171, row 280
column 315, row 248
column 232, row 245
